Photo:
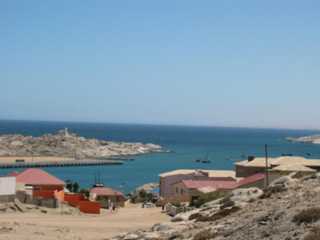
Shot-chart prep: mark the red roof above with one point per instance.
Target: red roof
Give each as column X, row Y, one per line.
column 104, row 191
column 223, row 179
column 201, row 174
column 214, row 184
column 35, row 176
column 13, row 174
column 250, row 179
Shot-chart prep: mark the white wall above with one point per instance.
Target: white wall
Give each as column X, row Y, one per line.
column 7, row 186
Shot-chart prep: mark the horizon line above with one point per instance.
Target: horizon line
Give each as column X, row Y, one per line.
column 162, row 124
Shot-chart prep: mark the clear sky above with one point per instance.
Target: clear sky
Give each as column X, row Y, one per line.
column 217, row 63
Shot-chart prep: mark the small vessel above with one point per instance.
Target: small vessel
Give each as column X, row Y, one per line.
column 244, row 155
column 287, row 154
column 207, row 160
column 97, row 181
column 198, row 160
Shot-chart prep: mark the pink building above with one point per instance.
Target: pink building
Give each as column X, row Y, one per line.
column 169, row 178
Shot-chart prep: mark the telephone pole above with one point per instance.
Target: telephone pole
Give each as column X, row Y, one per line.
column 267, row 172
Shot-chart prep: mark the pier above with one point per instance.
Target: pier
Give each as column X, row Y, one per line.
column 59, row 163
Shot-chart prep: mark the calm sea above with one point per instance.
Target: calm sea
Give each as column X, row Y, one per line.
column 187, row 143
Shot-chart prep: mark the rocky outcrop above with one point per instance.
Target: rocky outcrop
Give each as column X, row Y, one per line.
column 69, row 145
column 233, row 202
column 315, row 139
column 247, row 214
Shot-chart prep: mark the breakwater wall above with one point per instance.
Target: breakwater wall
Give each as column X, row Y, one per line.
column 59, row 163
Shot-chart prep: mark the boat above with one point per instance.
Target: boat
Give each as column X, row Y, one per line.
column 208, row 160
column 287, row 154
column 244, row 155
column 198, row 160
column 97, row 183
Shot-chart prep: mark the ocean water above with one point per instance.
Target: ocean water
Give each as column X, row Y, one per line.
column 187, row 143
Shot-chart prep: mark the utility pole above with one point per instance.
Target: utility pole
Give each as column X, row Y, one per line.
column 267, row 173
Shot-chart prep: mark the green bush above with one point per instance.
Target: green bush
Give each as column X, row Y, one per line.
column 178, row 204
column 307, row 216
column 208, row 197
column 314, row 234
column 142, row 197
column 204, row 235
column 85, row 191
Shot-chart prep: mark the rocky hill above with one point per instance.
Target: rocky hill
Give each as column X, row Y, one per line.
column 248, row 214
column 69, row 145
column 315, row 139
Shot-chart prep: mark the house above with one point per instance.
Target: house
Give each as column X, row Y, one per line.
column 106, row 195
column 39, row 183
column 35, row 183
column 256, row 180
column 258, row 165
column 7, row 189
column 251, row 166
column 168, row 178
column 286, row 169
column 189, row 190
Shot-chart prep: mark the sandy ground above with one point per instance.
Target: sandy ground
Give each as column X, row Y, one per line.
column 53, row 225
column 36, row 159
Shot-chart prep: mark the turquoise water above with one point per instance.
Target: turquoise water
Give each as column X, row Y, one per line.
column 188, row 144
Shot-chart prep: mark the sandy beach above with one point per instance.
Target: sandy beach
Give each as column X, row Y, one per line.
column 53, row 225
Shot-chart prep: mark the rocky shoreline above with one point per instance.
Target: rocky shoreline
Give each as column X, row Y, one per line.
column 70, row 145
column 314, row 139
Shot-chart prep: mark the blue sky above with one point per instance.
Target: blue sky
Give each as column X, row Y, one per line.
column 214, row 63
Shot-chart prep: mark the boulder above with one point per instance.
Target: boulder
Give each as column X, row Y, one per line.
column 242, row 196
column 131, row 236
column 184, row 216
column 283, row 181
column 167, row 226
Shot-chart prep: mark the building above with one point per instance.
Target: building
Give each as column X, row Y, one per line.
column 189, row 190
column 256, row 180
column 169, row 178
column 39, row 183
column 36, row 186
column 106, row 195
column 286, row 169
column 258, row 165
column 7, row 189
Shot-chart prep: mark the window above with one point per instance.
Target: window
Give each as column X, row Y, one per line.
column 181, row 191
column 118, row 199
column 37, row 189
column 176, row 190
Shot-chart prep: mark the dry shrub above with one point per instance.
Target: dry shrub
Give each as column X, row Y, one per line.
column 204, row 235
column 271, row 190
column 307, row 216
column 314, row 234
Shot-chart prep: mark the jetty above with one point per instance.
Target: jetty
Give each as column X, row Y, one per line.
column 87, row 162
